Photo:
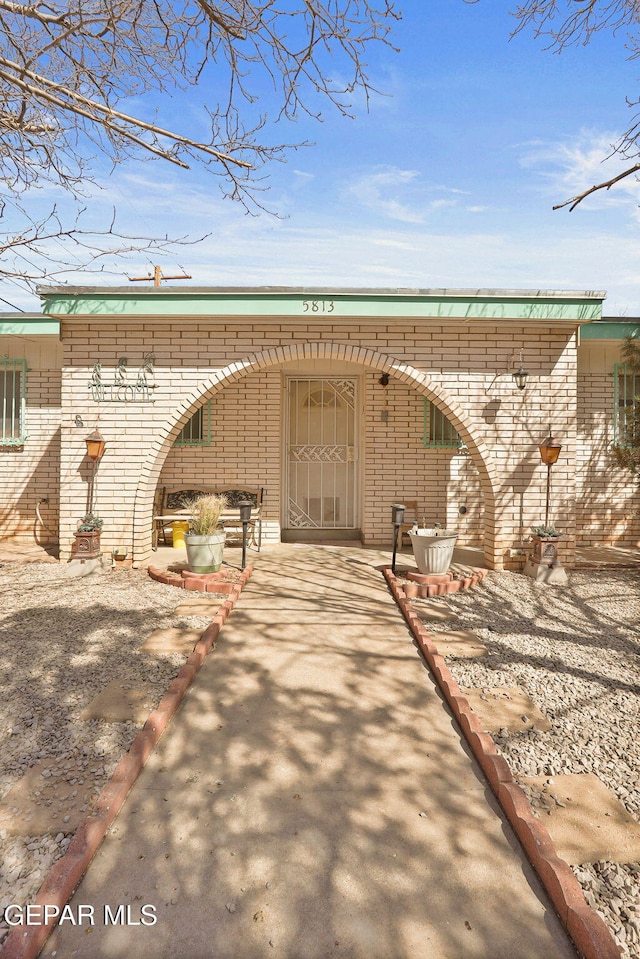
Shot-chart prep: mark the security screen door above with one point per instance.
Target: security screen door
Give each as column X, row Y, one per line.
column 321, row 454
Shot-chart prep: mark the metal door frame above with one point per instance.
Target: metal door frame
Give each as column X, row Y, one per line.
column 311, row 377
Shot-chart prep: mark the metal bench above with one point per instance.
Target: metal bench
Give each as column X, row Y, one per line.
column 172, row 507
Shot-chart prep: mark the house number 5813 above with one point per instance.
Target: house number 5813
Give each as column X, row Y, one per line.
column 317, row 306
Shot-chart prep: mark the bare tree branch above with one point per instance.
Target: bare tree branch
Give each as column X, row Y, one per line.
column 68, row 67
column 605, row 185
column 567, row 23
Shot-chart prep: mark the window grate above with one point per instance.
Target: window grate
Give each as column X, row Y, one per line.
column 197, row 430
column 626, row 406
column 438, row 431
column 13, row 377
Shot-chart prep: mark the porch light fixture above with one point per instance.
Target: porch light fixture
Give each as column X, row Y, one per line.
column 95, row 445
column 397, row 518
column 549, row 453
column 520, row 378
column 520, row 375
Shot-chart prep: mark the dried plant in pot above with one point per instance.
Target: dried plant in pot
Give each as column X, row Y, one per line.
column 88, row 530
column 205, row 540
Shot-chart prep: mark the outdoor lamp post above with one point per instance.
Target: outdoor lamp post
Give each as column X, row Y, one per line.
column 549, row 453
column 95, row 444
column 245, row 519
column 397, row 518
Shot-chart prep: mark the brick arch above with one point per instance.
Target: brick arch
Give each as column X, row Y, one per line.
column 400, row 370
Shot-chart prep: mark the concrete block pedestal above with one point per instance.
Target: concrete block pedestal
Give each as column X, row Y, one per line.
column 543, row 573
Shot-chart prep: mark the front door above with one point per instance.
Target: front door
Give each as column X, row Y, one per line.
column 321, row 454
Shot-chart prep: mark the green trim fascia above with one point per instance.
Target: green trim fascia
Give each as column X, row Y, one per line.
column 609, row 331
column 324, row 306
column 30, row 326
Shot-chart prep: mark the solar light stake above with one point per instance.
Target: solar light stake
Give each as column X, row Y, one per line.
column 397, row 518
column 245, row 519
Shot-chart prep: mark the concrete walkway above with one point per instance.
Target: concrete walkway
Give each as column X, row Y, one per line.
column 313, row 799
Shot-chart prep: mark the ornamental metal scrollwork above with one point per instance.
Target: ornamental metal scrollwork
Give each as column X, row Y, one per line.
column 122, row 389
column 323, row 454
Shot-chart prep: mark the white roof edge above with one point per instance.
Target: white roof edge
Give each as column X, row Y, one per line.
column 335, row 291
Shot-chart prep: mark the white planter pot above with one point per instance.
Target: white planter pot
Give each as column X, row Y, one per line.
column 433, row 549
column 204, row 553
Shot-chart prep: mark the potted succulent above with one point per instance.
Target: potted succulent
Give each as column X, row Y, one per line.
column 205, row 539
column 545, row 548
column 88, row 537
column 432, row 547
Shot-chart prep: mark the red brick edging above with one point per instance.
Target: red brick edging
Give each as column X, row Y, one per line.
column 588, row 931
column 65, row 875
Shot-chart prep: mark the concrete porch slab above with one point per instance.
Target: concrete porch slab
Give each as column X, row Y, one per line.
column 506, row 707
column 584, row 819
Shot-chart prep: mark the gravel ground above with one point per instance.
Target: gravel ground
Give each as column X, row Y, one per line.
column 576, row 652
column 63, row 640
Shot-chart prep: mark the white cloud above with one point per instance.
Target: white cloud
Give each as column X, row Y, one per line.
column 402, row 195
column 574, row 165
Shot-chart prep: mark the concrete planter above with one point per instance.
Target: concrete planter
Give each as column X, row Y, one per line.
column 433, row 549
column 204, row 553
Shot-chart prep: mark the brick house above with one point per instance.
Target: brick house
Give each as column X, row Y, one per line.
column 337, row 402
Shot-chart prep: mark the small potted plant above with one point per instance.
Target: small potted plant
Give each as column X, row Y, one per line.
column 545, row 539
column 88, row 537
column 205, row 539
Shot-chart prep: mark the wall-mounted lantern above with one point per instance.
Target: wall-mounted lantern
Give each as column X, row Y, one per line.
column 520, row 378
column 520, row 375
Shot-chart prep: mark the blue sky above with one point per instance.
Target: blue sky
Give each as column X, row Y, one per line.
column 447, row 181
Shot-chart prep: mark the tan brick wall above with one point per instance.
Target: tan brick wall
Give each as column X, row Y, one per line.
column 398, row 468
column 29, row 474
column 461, row 367
column 608, row 498
column 245, row 446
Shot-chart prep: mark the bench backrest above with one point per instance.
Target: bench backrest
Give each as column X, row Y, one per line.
column 179, row 498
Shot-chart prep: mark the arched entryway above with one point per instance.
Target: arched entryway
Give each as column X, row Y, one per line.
column 287, row 358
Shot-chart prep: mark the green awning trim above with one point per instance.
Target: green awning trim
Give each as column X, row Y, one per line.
column 323, row 305
column 30, row 326
column 609, row 331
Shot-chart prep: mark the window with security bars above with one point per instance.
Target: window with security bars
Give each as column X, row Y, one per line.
column 626, row 406
column 439, row 431
column 13, row 376
column 197, row 430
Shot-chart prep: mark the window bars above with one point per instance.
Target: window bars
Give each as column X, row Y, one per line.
column 197, row 430
column 13, row 377
column 438, row 431
column 626, row 405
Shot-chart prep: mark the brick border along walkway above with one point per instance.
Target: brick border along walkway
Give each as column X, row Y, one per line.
column 587, row 930
column 66, row 873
